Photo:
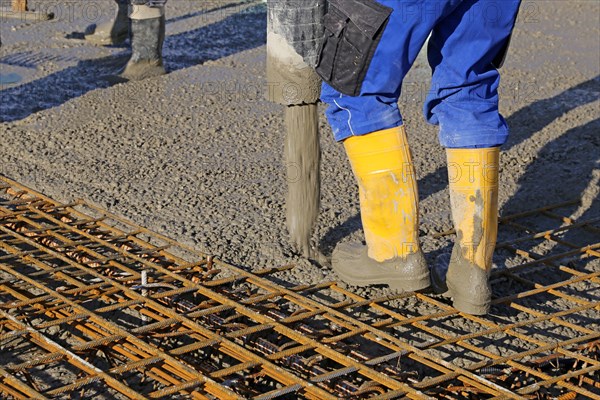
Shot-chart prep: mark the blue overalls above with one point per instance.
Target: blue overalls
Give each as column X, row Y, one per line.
column 466, row 38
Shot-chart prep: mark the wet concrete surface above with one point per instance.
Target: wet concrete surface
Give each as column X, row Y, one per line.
column 197, row 154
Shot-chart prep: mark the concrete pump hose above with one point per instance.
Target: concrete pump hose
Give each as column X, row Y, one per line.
column 295, row 28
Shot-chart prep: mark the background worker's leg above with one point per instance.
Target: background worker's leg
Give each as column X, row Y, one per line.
column 147, row 38
column 113, row 31
column 463, row 101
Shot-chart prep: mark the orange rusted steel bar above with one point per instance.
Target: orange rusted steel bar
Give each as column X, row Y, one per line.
column 19, row 5
column 203, row 329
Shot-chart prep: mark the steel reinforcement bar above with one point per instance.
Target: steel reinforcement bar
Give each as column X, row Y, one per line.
column 93, row 305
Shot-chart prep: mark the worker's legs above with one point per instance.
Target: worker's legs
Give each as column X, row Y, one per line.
column 113, row 31
column 370, row 125
column 468, row 36
column 147, row 38
column 463, row 101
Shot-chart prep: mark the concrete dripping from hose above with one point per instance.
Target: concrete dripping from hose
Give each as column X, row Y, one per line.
column 303, row 162
column 295, row 30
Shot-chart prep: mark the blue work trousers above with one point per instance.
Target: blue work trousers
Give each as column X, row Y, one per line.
column 466, row 38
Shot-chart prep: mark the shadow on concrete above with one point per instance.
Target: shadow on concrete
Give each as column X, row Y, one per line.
column 225, row 8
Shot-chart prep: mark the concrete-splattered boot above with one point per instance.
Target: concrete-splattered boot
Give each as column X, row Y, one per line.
column 111, row 32
column 147, row 38
column 473, row 177
column 382, row 164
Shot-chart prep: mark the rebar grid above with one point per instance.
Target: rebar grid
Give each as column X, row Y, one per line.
column 93, row 305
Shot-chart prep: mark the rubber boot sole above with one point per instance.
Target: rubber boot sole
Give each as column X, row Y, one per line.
column 129, row 74
column 406, row 285
column 143, row 70
column 465, row 304
column 353, row 266
column 465, row 283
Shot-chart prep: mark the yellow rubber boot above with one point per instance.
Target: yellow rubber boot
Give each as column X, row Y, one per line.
column 382, row 164
column 473, row 178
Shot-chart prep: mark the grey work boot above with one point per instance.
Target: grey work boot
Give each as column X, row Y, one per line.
column 111, row 32
column 147, row 38
column 353, row 265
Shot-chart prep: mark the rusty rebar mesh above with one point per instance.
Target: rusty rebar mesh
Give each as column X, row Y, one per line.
column 94, row 306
